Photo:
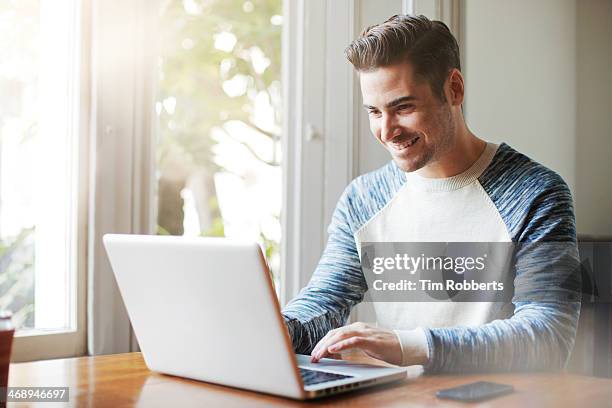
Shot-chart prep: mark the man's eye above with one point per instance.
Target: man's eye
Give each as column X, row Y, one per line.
column 405, row 107
column 373, row 112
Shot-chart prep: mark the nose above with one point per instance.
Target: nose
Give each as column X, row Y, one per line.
column 389, row 128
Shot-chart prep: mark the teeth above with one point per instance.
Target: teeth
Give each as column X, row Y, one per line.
column 407, row 144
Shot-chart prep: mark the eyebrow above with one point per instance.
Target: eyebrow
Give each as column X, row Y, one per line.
column 394, row 102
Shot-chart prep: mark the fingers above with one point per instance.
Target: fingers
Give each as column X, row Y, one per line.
column 348, row 344
column 382, row 344
column 321, row 343
column 324, row 353
column 325, row 342
column 321, row 350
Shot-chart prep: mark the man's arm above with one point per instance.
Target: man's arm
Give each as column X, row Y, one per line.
column 335, row 287
column 540, row 335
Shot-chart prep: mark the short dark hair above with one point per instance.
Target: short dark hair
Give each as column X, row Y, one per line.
column 427, row 44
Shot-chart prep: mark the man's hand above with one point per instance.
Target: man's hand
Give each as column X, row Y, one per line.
column 379, row 343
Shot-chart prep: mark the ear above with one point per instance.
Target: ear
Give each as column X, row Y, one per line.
column 456, row 87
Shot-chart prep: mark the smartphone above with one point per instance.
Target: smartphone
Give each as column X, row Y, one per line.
column 478, row 391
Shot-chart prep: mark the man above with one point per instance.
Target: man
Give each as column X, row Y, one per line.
column 444, row 184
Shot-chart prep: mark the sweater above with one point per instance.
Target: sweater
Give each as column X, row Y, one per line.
column 503, row 197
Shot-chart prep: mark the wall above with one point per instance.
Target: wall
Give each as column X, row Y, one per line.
column 537, row 77
column 593, row 193
column 520, row 77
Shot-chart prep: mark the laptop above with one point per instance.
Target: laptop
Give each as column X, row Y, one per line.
column 206, row 309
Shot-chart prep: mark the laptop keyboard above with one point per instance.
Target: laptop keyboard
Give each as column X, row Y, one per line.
column 312, row 377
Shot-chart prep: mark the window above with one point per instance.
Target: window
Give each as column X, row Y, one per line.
column 219, row 121
column 221, row 140
column 39, row 176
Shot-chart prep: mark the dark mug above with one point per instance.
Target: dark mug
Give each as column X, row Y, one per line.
column 6, row 341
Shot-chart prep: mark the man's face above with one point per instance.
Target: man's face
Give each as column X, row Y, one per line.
column 413, row 124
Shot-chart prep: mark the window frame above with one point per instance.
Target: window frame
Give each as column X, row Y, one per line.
column 326, row 135
column 37, row 344
column 326, row 143
column 122, row 173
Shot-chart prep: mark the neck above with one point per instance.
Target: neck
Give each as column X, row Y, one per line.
column 464, row 150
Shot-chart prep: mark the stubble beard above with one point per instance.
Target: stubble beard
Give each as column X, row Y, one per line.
column 433, row 152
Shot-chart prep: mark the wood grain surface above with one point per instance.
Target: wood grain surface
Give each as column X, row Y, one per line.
column 123, row 380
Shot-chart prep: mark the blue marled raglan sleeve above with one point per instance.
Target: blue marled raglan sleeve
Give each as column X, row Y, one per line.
column 536, row 206
column 540, row 335
column 337, row 284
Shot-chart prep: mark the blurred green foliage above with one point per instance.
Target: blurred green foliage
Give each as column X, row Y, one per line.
column 17, row 277
column 19, row 66
column 194, row 65
column 192, row 71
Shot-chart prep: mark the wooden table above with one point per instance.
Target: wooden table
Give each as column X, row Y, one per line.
column 123, row 380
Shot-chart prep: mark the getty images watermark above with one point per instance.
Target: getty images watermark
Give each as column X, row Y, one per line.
column 487, row 271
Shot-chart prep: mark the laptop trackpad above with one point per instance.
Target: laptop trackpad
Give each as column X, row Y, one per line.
column 345, row 367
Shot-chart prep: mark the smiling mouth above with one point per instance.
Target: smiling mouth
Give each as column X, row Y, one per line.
column 405, row 144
